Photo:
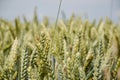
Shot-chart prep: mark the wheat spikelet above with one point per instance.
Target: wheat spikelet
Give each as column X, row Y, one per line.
column 10, row 63
column 25, row 65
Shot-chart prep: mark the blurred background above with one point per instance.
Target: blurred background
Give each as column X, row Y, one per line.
column 91, row 9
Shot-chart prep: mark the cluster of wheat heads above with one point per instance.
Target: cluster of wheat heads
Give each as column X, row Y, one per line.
column 74, row 50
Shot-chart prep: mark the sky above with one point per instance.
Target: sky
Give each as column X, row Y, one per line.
column 93, row 9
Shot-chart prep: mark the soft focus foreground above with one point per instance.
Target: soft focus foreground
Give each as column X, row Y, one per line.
column 73, row 50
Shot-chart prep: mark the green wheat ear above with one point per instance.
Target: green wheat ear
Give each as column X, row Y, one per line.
column 24, row 66
column 10, row 63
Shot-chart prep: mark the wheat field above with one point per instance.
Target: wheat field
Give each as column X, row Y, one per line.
column 75, row 49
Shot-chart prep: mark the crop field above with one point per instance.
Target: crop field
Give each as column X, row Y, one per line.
column 75, row 49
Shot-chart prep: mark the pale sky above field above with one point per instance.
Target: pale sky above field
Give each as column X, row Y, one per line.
column 94, row 9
